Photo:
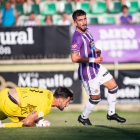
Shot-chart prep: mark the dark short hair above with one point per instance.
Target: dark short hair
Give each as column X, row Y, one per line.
column 47, row 16
column 62, row 92
column 32, row 13
column 78, row 13
column 124, row 6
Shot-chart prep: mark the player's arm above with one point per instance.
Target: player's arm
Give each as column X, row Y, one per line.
column 76, row 58
column 30, row 120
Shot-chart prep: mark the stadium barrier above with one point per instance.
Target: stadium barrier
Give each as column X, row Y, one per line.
column 127, row 80
column 34, row 42
column 46, row 80
column 119, row 43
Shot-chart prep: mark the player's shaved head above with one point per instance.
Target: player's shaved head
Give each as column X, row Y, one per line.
column 78, row 13
column 62, row 92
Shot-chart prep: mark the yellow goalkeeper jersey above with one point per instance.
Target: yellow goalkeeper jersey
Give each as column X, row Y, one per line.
column 31, row 99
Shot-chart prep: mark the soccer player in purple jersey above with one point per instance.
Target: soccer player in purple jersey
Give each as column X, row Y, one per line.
column 91, row 73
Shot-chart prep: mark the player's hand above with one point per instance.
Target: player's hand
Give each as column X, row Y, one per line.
column 98, row 52
column 42, row 123
column 98, row 60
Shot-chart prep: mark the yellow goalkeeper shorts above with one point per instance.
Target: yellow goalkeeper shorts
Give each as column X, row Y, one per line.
column 10, row 109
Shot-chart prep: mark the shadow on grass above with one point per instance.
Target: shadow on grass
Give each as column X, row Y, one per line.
column 127, row 132
column 133, row 124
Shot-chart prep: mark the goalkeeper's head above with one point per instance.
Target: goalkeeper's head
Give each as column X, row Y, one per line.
column 62, row 97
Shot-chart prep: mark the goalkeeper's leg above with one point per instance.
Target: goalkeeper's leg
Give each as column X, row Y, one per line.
column 9, row 125
column 2, row 116
column 15, row 123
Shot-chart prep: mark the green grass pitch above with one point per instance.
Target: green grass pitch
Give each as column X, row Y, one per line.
column 64, row 126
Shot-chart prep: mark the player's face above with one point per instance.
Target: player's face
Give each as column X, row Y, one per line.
column 63, row 103
column 81, row 23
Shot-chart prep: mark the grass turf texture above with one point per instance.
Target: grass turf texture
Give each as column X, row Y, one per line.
column 64, row 126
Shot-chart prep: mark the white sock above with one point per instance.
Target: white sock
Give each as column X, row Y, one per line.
column 1, row 124
column 87, row 110
column 111, row 98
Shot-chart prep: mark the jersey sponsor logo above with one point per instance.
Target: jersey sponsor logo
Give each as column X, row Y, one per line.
column 105, row 74
column 92, row 46
column 29, row 108
column 41, row 114
column 33, row 90
column 49, row 96
column 73, row 46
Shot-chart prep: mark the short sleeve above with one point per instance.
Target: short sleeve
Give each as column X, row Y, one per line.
column 76, row 43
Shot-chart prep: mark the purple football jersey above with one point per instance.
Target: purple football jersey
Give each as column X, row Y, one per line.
column 81, row 42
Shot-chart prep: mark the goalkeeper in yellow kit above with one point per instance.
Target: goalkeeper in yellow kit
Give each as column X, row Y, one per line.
column 23, row 106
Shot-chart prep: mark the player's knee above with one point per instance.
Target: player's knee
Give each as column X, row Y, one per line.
column 113, row 90
column 95, row 101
